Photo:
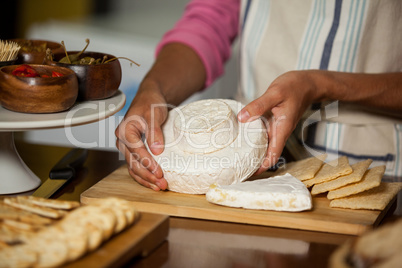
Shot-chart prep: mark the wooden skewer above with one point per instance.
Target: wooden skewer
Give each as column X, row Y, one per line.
column 8, row 50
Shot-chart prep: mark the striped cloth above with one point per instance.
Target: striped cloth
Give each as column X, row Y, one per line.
column 339, row 35
column 277, row 36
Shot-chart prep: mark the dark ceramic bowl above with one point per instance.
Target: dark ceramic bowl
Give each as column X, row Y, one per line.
column 36, row 57
column 96, row 82
column 6, row 63
column 38, row 94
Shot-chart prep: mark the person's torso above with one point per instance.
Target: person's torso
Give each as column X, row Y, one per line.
column 363, row 36
column 339, row 35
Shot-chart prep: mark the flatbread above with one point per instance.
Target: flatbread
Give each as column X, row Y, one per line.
column 371, row 179
column 331, row 170
column 358, row 172
column 303, row 169
column 374, row 199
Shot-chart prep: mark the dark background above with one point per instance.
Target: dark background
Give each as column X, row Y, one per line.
column 18, row 15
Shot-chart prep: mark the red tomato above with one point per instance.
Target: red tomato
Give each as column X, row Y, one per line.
column 57, row 74
column 25, row 70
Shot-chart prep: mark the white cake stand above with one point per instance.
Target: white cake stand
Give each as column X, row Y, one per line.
column 15, row 176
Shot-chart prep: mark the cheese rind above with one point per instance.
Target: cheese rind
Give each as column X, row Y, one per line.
column 280, row 193
column 206, row 127
column 189, row 171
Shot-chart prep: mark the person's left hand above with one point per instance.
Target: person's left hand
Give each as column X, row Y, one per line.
column 281, row 108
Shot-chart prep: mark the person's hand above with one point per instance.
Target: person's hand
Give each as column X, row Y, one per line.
column 281, row 107
column 177, row 73
column 144, row 118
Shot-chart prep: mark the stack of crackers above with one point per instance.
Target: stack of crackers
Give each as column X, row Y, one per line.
column 38, row 232
column 347, row 186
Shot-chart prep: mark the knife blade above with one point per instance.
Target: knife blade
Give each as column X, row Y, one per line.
column 62, row 172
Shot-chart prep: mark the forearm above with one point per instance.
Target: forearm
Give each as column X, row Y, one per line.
column 381, row 91
column 177, row 73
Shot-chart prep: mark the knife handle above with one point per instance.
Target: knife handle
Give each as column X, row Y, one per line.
column 68, row 165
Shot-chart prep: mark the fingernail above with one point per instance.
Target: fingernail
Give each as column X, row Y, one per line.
column 243, row 116
column 156, row 147
column 158, row 184
column 157, row 173
column 154, row 187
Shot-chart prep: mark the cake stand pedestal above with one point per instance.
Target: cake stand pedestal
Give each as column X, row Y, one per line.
column 15, row 176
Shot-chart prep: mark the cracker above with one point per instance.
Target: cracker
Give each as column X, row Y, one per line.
column 303, row 169
column 50, row 203
column 374, row 199
column 124, row 210
column 9, row 235
column 18, row 225
column 12, row 213
column 25, row 205
column 331, row 170
column 106, row 218
column 81, row 216
column 50, row 246
column 3, row 244
column 76, row 239
column 81, row 230
column 371, row 179
column 101, row 217
column 18, row 256
column 121, row 219
column 358, row 171
column 95, row 235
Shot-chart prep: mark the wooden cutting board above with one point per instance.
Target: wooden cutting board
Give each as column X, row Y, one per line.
column 321, row 218
column 143, row 237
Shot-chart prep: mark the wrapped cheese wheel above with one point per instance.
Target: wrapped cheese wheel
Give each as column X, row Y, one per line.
column 205, row 144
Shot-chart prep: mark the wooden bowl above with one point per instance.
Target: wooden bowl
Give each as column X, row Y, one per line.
column 5, row 63
column 36, row 57
column 95, row 82
column 38, row 94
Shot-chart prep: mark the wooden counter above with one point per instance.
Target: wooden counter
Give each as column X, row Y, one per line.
column 194, row 242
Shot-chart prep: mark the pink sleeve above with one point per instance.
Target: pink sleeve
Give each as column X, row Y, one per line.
column 209, row 27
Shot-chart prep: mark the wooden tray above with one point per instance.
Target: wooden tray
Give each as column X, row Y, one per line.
column 140, row 239
column 321, row 218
